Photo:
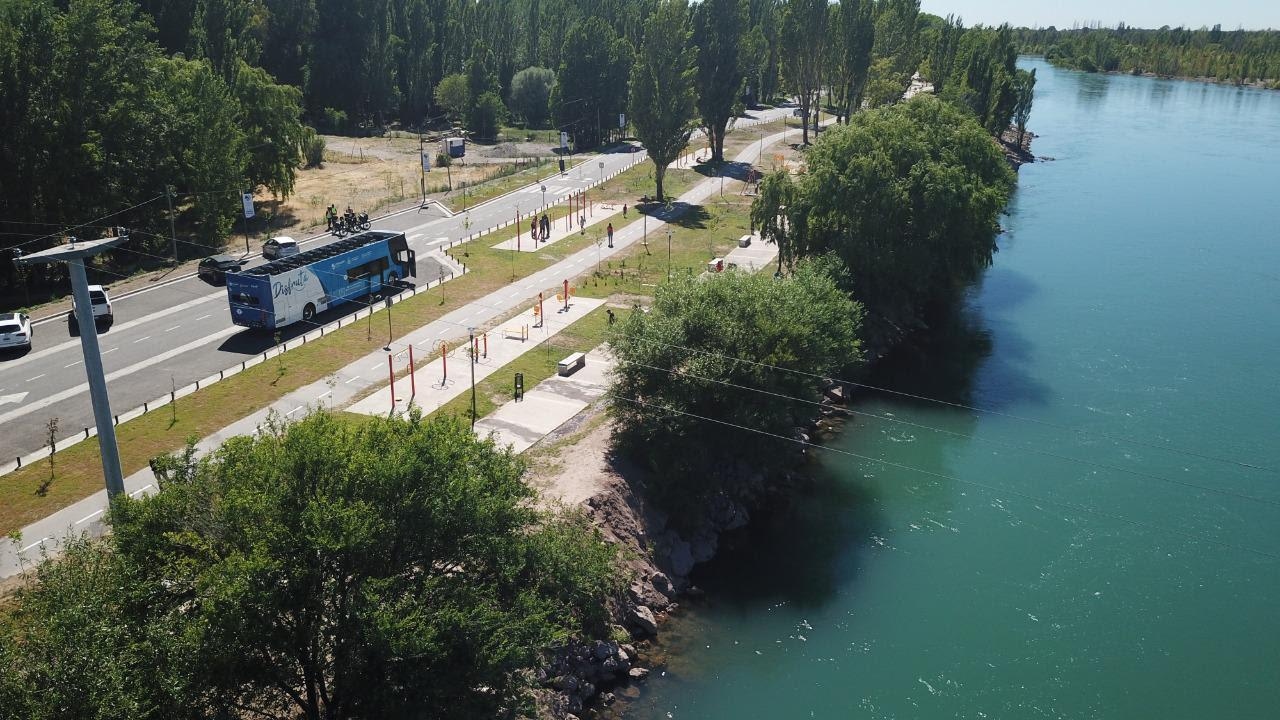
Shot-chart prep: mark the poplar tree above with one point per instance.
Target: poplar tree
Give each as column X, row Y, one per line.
column 662, row 96
column 718, row 30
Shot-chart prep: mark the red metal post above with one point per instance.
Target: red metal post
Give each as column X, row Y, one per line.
column 566, row 295
column 475, row 349
column 486, row 345
column 517, row 230
column 413, row 383
column 540, row 310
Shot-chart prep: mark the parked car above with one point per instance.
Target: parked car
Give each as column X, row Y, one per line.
column 101, row 309
column 279, row 247
column 215, row 267
column 15, row 330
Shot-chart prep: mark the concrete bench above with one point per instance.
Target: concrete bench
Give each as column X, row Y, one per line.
column 571, row 364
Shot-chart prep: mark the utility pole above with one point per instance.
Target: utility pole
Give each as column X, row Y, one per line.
column 173, row 235
column 668, row 253
column 422, row 157
column 471, row 348
column 73, row 255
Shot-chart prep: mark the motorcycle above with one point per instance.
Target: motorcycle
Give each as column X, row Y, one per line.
column 363, row 220
column 340, row 228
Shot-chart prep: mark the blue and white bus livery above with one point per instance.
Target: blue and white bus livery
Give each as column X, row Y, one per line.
column 296, row 288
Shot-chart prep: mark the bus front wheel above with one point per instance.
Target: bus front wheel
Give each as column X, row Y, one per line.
column 308, row 312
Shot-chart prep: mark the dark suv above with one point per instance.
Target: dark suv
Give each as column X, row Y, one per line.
column 215, row 268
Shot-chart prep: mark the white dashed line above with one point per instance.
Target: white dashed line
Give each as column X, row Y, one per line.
column 89, row 517
column 140, row 490
column 330, row 392
column 175, row 327
column 292, row 411
column 135, row 342
column 104, row 352
column 72, row 364
column 348, row 382
column 38, row 542
column 202, row 317
column 36, row 377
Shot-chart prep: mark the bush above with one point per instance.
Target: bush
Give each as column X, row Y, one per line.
column 312, row 148
column 443, row 160
column 333, row 120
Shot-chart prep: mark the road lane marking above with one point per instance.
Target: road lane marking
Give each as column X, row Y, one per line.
column 348, row 382
column 202, row 317
column 36, row 377
column 140, row 490
column 141, row 339
column 64, row 367
column 122, row 372
column 104, row 352
column 175, row 327
column 41, row 541
column 88, row 517
column 326, row 393
column 292, row 411
column 117, row 328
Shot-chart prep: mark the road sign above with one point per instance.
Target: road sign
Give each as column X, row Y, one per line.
column 426, row 162
column 248, row 205
column 622, row 120
column 564, row 140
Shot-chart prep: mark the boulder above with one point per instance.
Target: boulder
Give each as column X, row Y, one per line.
column 662, row 584
column 678, row 557
column 642, row 618
column 638, row 674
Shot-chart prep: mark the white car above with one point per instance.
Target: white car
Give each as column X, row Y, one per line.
column 279, row 247
column 101, row 304
column 15, row 330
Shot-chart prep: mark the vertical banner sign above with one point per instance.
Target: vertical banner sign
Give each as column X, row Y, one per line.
column 564, row 141
column 426, row 162
column 248, row 205
column 622, row 120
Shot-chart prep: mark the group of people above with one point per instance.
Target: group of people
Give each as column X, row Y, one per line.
column 331, row 217
column 540, row 228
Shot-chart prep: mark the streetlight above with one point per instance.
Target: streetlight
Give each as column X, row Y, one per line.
column 73, row 255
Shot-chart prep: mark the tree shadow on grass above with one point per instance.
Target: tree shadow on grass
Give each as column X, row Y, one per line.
column 732, row 170
column 694, row 217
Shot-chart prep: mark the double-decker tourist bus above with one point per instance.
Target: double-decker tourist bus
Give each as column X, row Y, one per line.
column 297, row 287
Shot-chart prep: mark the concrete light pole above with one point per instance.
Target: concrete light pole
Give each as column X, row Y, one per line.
column 73, row 255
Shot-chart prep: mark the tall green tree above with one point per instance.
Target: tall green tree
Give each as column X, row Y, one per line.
column 942, row 58
column 718, row 29
column 708, row 382
column 857, row 29
column 591, row 82
column 530, row 93
column 768, row 215
column 804, row 30
column 908, row 196
column 662, row 88
column 269, row 115
column 1025, row 90
column 453, row 96
column 321, row 569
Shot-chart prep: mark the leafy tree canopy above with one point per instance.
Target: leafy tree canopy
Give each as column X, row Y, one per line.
column 729, row 350
column 394, row 568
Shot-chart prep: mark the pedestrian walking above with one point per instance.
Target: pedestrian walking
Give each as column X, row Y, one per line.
column 624, row 210
column 533, row 230
column 546, row 228
column 610, row 231
column 612, row 319
column 330, row 215
column 582, row 224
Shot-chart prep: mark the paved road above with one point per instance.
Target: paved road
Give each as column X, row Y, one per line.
column 357, row 377
column 177, row 333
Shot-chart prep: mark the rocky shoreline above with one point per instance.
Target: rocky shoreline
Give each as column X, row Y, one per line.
column 583, row 679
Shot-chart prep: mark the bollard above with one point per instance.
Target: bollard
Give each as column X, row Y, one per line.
column 144, row 409
column 220, row 375
column 197, row 384
column 86, row 433
column 117, row 420
column 391, row 370
column 19, row 461
column 413, row 382
column 241, row 366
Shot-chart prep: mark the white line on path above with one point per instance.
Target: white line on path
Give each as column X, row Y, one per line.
column 72, row 364
column 36, row 377
column 135, row 342
column 327, row 392
column 292, row 411
column 104, row 352
column 88, row 517
column 140, row 490
column 202, row 317
column 348, row 382
column 375, row 366
column 175, row 327
column 38, row 542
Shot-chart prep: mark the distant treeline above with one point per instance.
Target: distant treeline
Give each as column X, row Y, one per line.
column 1230, row 56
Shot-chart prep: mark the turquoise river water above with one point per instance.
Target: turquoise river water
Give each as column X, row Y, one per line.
column 1102, row 539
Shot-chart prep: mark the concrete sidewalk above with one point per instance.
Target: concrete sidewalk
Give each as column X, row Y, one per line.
column 596, row 222
column 440, row 380
column 550, row 404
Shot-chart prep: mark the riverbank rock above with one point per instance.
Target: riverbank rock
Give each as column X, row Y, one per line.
column 642, row 619
column 637, row 674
